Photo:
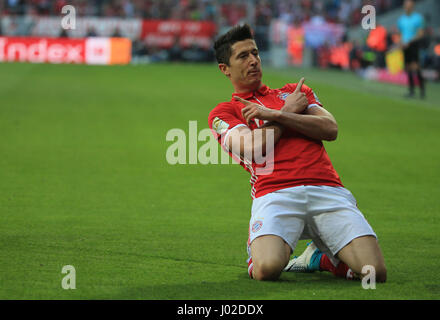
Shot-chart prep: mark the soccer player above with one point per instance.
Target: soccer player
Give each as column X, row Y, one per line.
column 411, row 27
column 298, row 194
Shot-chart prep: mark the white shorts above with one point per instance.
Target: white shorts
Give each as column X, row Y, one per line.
column 327, row 215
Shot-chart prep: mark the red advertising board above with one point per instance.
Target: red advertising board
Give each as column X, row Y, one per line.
column 40, row 50
column 62, row 50
column 164, row 33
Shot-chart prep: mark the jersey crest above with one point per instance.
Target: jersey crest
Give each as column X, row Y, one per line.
column 284, row 95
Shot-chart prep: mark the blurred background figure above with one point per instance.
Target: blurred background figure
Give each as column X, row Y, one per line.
column 91, row 32
column 411, row 26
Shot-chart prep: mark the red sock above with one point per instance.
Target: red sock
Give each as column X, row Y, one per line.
column 341, row 270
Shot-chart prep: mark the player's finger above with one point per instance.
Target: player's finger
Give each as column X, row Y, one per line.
column 245, row 102
column 246, row 110
column 249, row 120
column 304, row 100
column 300, row 83
column 249, row 116
column 246, row 115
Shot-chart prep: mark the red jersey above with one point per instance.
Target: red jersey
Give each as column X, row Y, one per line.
column 297, row 159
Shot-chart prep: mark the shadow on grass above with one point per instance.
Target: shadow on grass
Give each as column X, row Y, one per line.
column 288, row 287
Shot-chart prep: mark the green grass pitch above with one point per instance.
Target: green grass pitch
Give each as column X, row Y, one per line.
column 84, row 181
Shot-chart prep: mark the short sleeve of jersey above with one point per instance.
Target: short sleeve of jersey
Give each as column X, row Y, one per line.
column 223, row 118
column 310, row 94
column 420, row 21
column 399, row 24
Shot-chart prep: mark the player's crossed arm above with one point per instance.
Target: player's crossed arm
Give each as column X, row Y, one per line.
column 316, row 123
column 255, row 110
column 247, row 143
column 296, row 102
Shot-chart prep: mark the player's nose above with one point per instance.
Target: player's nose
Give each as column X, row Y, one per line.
column 253, row 61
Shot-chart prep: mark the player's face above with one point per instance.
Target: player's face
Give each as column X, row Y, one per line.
column 244, row 68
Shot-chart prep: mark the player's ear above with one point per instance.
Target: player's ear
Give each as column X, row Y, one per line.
column 224, row 68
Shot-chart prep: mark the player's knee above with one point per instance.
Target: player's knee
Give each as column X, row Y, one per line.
column 381, row 271
column 268, row 270
column 381, row 274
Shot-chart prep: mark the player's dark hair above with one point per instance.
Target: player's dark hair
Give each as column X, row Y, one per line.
column 223, row 44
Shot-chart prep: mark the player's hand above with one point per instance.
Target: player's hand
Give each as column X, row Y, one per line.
column 254, row 110
column 297, row 101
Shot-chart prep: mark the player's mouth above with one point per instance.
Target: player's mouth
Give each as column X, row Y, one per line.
column 254, row 72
